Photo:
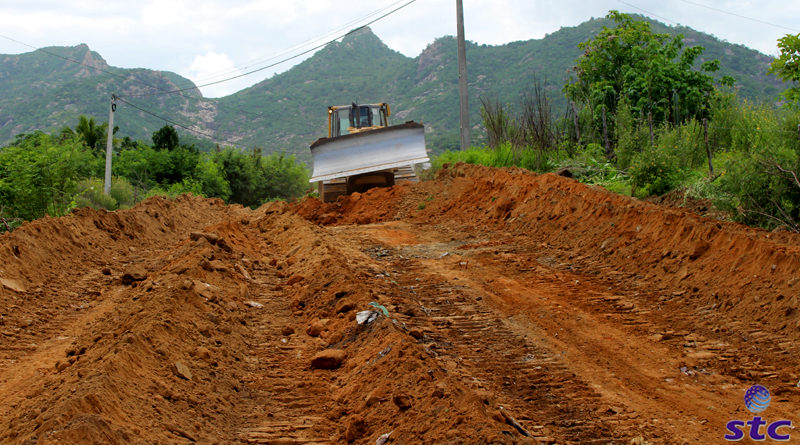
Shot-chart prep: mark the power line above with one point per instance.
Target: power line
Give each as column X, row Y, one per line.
column 648, row 12
column 187, row 128
column 741, row 16
column 120, row 76
column 283, row 60
column 180, row 91
column 324, row 36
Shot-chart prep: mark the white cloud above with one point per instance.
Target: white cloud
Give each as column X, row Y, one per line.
column 211, row 67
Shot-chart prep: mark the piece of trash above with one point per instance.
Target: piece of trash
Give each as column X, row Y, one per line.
column 444, row 254
column 366, row 317
column 254, row 304
column 381, row 307
column 798, row 383
column 383, row 438
column 384, row 352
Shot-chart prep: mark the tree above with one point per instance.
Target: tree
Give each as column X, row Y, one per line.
column 651, row 73
column 787, row 66
column 38, row 175
column 165, row 138
column 91, row 133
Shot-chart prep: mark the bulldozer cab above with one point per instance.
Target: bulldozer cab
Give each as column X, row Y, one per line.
column 349, row 119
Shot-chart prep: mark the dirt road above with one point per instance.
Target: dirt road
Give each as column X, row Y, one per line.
column 506, row 308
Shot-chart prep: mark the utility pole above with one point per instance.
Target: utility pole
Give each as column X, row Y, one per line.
column 462, row 76
column 110, row 144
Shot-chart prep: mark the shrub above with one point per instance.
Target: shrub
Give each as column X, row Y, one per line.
column 654, row 172
column 90, row 194
column 123, row 192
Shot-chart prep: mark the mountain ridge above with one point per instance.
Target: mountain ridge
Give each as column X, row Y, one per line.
column 288, row 110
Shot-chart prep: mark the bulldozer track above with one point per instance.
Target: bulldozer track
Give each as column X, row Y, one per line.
column 293, row 412
column 530, row 381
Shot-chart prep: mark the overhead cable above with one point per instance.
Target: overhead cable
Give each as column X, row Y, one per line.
column 282, row 60
column 298, row 46
column 741, row 16
column 185, row 127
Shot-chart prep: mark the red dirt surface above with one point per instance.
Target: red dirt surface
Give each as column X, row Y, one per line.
column 522, row 308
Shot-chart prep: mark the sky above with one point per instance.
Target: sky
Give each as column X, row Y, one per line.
column 210, row 40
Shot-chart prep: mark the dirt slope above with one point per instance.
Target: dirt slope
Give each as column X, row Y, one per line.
column 521, row 309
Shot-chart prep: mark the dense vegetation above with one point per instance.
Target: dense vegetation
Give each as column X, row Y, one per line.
column 668, row 127
column 43, row 174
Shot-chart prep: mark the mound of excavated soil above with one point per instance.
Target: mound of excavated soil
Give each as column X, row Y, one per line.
column 501, row 307
column 748, row 274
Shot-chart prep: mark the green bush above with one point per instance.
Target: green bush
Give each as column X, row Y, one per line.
column 632, row 136
column 758, row 193
column 179, row 188
column 89, row 193
column 654, row 172
column 212, row 179
column 123, row 192
column 39, row 175
column 502, row 156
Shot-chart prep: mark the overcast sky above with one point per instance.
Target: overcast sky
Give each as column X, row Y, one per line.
column 207, row 40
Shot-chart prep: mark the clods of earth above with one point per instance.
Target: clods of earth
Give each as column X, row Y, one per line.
column 483, row 306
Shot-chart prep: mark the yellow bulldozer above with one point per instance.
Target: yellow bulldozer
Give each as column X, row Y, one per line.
column 363, row 151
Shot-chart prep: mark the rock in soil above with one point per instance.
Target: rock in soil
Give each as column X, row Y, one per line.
column 356, row 428
column 328, row 359
column 182, row 371
column 133, row 273
column 402, row 401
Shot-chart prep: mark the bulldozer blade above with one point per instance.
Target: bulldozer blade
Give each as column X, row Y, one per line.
column 368, row 151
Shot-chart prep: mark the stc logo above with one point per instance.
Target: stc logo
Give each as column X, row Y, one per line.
column 757, row 399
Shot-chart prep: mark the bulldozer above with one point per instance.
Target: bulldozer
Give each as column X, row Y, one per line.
column 363, row 151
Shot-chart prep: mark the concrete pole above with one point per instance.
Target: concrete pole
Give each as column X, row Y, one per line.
column 462, row 76
column 110, row 144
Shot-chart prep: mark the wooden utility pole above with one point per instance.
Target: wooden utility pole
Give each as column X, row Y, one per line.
column 110, row 144
column 462, row 76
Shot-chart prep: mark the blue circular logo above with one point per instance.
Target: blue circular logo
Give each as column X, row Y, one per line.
column 756, row 399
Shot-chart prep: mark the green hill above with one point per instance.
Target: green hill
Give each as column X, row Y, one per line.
column 288, row 110
column 42, row 90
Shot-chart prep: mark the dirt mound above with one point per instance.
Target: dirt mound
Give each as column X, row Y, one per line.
column 102, row 349
column 378, row 204
column 165, row 351
column 486, row 306
column 734, row 271
column 680, row 198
